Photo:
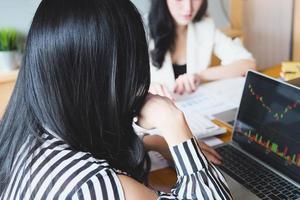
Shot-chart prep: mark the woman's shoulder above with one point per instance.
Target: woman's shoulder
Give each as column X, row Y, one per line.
column 97, row 178
column 58, row 147
column 55, row 169
column 202, row 31
column 206, row 23
column 103, row 183
column 84, row 174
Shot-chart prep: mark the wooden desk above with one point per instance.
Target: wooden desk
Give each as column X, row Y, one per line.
column 164, row 179
column 7, row 83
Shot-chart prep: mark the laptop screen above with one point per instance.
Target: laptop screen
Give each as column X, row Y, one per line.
column 268, row 123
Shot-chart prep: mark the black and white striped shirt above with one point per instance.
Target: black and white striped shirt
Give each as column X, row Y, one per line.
column 52, row 170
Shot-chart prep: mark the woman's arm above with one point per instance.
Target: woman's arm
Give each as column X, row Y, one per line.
column 189, row 82
column 197, row 177
column 234, row 69
column 235, row 59
column 158, row 143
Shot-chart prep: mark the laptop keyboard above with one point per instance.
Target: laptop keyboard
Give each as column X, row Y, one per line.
column 254, row 176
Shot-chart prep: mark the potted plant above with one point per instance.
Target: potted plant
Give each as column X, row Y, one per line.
column 10, row 43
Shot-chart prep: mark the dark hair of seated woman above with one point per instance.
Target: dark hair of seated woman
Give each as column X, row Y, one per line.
column 84, row 76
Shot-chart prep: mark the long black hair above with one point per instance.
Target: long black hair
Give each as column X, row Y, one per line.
column 163, row 30
column 84, row 75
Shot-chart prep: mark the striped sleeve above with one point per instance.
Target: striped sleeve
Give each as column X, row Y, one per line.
column 197, row 178
column 103, row 185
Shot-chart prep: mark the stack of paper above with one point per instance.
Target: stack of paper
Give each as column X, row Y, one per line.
column 290, row 70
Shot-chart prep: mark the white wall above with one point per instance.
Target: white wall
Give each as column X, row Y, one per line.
column 142, row 5
column 219, row 15
column 268, row 30
column 19, row 13
column 214, row 9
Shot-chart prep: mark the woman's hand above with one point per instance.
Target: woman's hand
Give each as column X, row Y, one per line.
column 211, row 154
column 160, row 89
column 158, row 112
column 161, row 113
column 187, row 83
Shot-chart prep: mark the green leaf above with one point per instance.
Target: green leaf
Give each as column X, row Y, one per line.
column 9, row 39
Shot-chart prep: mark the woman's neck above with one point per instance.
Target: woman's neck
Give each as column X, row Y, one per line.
column 181, row 30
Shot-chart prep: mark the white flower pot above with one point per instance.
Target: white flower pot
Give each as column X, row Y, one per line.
column 8, row 60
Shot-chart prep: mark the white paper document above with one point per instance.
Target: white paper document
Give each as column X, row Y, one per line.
column 202, row 126
column 214, row 97
column 209, row 99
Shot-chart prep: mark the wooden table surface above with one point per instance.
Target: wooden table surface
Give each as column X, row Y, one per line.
column 164, row 179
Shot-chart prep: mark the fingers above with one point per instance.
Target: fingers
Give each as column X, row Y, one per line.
column 211, row 154
column 154, row 104
column 212, row 158
column 186, row 83
column 192, row 83
column 195, row 81
column 209, row 149
column 179, row 87
column 215, row 153
column 159, row 89
column 182, row 84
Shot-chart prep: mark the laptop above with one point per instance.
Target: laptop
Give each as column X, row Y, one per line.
column 228, row 116
column 263, row 159
column 295, row 82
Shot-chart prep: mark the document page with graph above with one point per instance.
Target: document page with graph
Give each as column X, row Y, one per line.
column 213, row 97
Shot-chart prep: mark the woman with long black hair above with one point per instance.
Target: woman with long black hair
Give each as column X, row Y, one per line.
column 183, row 40
column 67, row 132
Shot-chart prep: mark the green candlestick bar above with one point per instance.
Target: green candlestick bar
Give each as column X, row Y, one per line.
column 274, row 147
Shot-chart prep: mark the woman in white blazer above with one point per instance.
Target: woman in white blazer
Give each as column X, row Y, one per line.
column 182, row 42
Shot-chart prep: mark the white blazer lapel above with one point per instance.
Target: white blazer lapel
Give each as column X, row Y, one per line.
column 200, row 42
column 165, row 75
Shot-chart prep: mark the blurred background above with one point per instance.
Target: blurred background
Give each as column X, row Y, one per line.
column 268, row 28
